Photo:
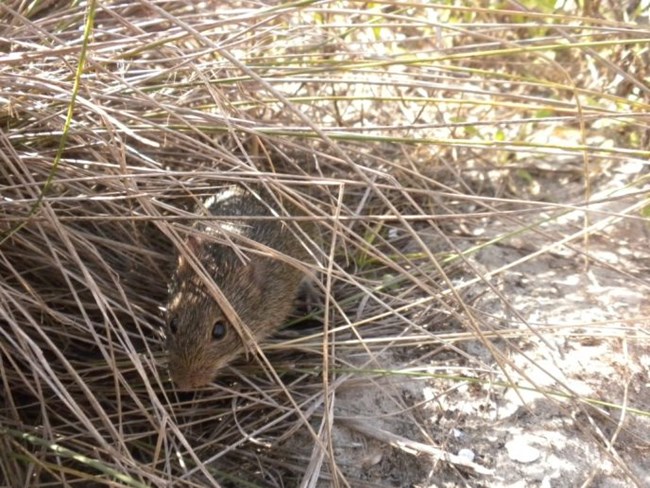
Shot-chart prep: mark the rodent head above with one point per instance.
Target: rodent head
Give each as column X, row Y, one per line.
column 260, row 289
column 200, row 339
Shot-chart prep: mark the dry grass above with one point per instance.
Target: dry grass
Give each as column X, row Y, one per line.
column 405, row 130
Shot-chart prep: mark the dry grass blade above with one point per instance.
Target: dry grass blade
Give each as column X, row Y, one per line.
column 479, row 179
column 414, row 448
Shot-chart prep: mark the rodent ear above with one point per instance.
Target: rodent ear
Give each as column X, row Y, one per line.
column 194, row 242
column 257, row 274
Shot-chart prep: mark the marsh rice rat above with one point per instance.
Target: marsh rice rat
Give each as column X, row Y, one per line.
column 261, row 289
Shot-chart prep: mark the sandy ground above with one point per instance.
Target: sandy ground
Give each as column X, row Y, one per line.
column 575, row 330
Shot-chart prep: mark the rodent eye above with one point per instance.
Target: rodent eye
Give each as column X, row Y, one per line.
column 173, row 325
column 219, row 330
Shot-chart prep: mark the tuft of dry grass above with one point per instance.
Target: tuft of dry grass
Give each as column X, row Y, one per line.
column 417, row 137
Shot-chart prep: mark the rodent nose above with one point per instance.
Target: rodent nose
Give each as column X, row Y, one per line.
column 190, row 380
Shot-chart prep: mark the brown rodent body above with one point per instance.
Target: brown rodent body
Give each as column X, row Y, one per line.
column 260, row 288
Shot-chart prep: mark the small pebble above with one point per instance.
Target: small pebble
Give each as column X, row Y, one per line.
column 521, row 452
column 467, row 454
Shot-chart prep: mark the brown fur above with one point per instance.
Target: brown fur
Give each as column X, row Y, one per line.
column 260, row 289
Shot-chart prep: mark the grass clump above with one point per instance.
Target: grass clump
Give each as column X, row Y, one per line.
column 464, row 165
